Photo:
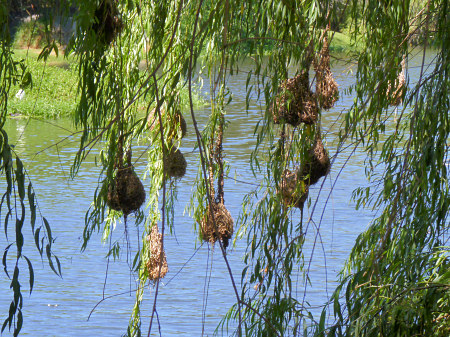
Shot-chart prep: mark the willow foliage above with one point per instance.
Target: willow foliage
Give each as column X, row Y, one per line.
column 396, row 280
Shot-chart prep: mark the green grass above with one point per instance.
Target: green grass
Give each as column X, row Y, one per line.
column 342, row 43
column 53, row 91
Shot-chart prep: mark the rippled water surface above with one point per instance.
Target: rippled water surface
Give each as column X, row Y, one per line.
column 197, row 288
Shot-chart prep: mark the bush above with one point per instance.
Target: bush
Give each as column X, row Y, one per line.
column 31, row 33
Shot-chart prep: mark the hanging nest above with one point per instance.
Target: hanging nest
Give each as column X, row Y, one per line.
column 157, row 256
column 126, row 193
column 283, row 107
column 317, row 164
column 295, row 103
column 175, row 164
column 396, row 96
column 176, row 123
column 224, row 223
column 326, row 87
column 293, row 190
column 107, row 24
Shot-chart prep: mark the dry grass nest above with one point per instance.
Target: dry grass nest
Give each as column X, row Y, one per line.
column 126, row 193
column 175, row 164
column 224, row 223
column 326, row 87
column 316, row 165
column 293, row 190
column 396, row 96
column 157, row 256
column 176, row 123
column 295, row 103
column 107, row 21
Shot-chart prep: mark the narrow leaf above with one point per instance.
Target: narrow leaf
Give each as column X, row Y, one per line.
column 58, row 264
column 36, row 239
column 49, row 258
column 19, row 237
column 48, row 229
column 20, row 178
column 19, row 323
column 30, row 268
column 4, row 259
column 32, row 206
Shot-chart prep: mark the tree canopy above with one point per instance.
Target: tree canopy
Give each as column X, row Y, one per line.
column 396, row 280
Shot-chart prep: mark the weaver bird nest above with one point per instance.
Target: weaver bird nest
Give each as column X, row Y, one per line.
column 174, row 163
column 293, row 190
column 316, row 165
column 396, row 95
column 107, row 24
column 157, row 256
column 295, row 103
column 326, row 87
column 126, row 192
column 223, row 221
column 175, row 123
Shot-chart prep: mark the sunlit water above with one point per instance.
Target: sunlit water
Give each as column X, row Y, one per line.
column 197, row 291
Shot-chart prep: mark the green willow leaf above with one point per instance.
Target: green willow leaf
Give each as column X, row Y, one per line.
column 31, row 272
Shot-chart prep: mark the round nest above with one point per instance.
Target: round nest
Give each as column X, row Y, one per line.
column 283, row 106
column 107, row 21
column 175, row 164
column 292, row 189
column 176, row 123
column 126, row 193
column 224, row 223
column 396, row 96
column 326, row 87
column 316, row 165
column 157, row 256
column 296, row 103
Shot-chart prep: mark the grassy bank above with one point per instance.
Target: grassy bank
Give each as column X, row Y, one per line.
column 342, row 43
column 53, row 92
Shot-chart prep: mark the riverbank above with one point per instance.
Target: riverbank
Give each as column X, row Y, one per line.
column 342, row 43
column 53, row 89
column 53, row 92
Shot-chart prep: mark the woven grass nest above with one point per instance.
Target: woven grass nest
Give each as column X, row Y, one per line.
column 175, row 164
column 224, row 223
column 156, row 254
column 176, row 123
column 126, row 193
column 396, row 96
column 326, row 87
column 293, row 190
column 317, row 164
column 107, row 21
column 295, row 103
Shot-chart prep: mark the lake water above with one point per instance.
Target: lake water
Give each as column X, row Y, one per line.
column 197, row 290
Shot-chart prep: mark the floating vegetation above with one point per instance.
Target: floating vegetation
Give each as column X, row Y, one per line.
column 157, row 263
column 223, row 221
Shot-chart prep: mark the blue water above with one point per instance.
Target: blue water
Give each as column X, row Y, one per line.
column 197, row 291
